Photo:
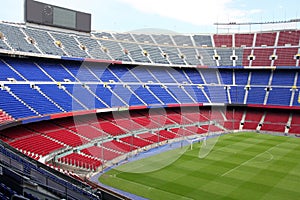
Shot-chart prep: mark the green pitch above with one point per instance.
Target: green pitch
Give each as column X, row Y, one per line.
column 240, row 166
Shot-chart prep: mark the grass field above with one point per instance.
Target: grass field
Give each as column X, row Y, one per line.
column 240, row 166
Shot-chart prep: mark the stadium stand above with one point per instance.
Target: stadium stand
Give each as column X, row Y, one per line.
column 244, row 39
column 36, row 145
column 101, row 153
column 118, row 146
column 17, row 39
column 5, row 117
column 267, row 39
column 159, row 49
column 222, row 40
column 60, row 93
column 286, row 57
column 45, row 42
column 79, row 160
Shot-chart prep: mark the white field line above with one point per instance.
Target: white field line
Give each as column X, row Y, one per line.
column 231, row 170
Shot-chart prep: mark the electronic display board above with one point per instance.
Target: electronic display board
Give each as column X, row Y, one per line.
column 50, row 15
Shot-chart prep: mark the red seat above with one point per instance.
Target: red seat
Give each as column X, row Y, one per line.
column 153, row 138
column 37, row 144
column 134, row 141
column 79, row 160
column 100, row 152
column 4, row 117
column 67, row 137
column 119, row 146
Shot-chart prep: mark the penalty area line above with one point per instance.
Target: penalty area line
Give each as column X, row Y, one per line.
column 231, row 170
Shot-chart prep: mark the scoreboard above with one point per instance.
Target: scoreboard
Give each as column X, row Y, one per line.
column 50, row 15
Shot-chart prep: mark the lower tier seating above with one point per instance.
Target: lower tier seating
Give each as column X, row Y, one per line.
column 79, row 160
column 152, row 138
column 36, row 144
column 119, row 146
column 43, row 138
column 135, row 141
column 101, row 153
column 67, row 137
column 4, row 117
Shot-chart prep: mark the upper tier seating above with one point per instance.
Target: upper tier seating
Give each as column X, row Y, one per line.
column 202, row 40
column 17, row 39
column 155, row 54
column 39, row 87
column 245, row 39
column 267, row 39
column 289, row 37
column 45, row 42
column 93, row 48
column 223, row 40
column 157, row 48
column 135, row 52
column 71, row 47
column 182, row 40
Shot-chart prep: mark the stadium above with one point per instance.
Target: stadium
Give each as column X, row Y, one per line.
column 109, row 115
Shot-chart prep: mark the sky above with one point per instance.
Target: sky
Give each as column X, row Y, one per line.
column 185, row 16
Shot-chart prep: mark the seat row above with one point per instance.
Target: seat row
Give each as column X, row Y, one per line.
column 158, row 48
